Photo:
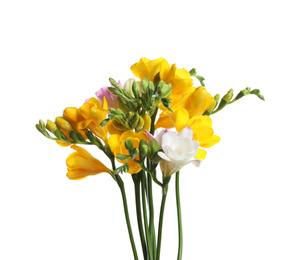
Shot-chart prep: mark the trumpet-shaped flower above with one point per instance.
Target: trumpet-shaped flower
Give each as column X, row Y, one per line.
column 93, row 113
column 157, row 69
column 117, row 146
column 81, row 164
column 178, row 150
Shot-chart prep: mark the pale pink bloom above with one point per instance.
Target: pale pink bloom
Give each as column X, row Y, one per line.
column 111, row 98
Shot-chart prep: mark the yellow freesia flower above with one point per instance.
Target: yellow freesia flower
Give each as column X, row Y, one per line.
column 196, row 104
column 201, row 126
column 117, row 146
column 180, row 79
column 93, row 113
column 81, row 164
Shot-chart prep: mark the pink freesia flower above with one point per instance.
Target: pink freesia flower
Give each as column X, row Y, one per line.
column 111, row 98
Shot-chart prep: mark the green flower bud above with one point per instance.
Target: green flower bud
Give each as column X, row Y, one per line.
column 153, row 150
column 217, row 97
column 143, row 148
column 128, row 87
column 136, row 89
column 151, row 88
column 140, row 124
column 144, row 85
column 135, row 153
column 129, row 145
column 42, row 125
column 135, row 120
column 167, row 90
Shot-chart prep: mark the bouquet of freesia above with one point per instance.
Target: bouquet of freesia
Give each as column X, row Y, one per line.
column 160, row 119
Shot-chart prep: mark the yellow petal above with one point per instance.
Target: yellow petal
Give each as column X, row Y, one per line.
column 201, row 154
column 114, row 143
column 180, row 118
column 81, row 164
column 199, row 102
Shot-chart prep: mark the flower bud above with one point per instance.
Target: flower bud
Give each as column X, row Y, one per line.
column 135, row 120
column 128, row 86
column 167, row 90
column 135, row 153
column 129, row 145
column 51, row 126
column 118, row 125
column 143, row 148
column 136, row 89
column 147, row 122
column 42, row 125
column 140, row 124
column 144, row 85
column 63, row 124
column 227, row 97
column 154, row 147
column 151, row 88
column 217, row 97
column 212, row 106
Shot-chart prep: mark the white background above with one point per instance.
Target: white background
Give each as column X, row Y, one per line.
column 242, row 203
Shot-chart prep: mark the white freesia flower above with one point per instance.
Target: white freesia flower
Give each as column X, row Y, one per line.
column 179, row 149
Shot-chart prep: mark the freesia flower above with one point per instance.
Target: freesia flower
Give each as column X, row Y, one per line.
column 178, row 150
column 81, row 164
column 117, row 146
column 93, row 113
column 180, row 79
column 112, row 99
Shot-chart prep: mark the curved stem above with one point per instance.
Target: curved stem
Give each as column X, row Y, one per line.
column 126, row 213
column 180, row 230
column 164, row 190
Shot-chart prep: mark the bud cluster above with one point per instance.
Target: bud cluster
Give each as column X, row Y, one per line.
column 62, row 131
column 227, row 99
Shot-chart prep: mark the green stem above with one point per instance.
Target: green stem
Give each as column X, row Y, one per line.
column 180, row 230
column 164, row 191
column 151, row 215
column 138, row 212
column 152, row 129
column 126, row 213
column 144, row 193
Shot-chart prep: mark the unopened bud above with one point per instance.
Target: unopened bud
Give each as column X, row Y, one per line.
column 217, row 97
column 63, row 124
column 128, row 86
column 129, row 145
column 151, row 88
column 167, row 90
column 42, row 125
column 154, row 147
column 227, row 97
column 135, row 120
column 51, row 126
column 118, row 125
column 212, row 106
column 135, row 153
column 140, row 124
column 136, row 89
column 143, row 147
column 147, row 122
column 143, row 85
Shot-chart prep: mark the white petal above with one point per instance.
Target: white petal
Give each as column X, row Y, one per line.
column 167, row 140
column 163, row 156
column 186, row 132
